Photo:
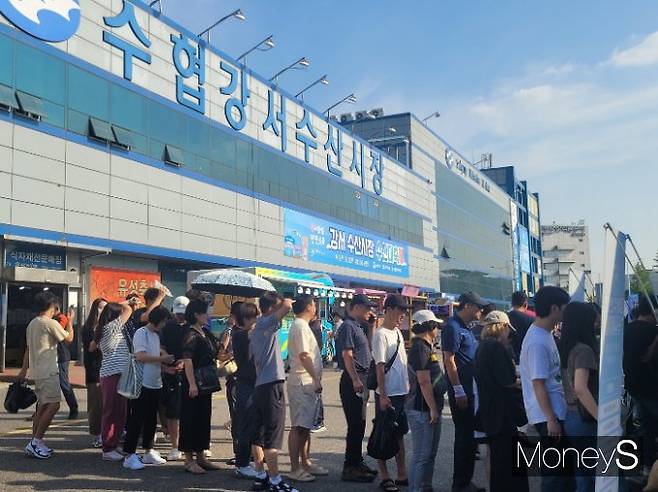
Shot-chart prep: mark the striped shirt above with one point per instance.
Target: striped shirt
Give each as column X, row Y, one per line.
column 114, row 349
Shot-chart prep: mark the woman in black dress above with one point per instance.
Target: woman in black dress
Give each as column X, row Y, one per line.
column 200, row 349
column 500, row 403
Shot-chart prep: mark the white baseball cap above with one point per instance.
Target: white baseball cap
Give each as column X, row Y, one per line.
column 180, row 304
column 424, row 315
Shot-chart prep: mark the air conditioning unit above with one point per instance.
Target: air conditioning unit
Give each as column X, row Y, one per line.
column 377, row 112
column 333, row 117
column 346, row 117
column 361, row 115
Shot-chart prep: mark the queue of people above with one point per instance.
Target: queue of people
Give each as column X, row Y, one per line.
column 520, row 370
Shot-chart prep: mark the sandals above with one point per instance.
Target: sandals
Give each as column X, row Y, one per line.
column 388, row 485
column 194, row 469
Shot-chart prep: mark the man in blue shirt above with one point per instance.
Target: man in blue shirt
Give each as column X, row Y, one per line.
column 459, row 346
column 353, row 345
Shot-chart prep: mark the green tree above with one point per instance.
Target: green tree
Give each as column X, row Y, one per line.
column 640, row 280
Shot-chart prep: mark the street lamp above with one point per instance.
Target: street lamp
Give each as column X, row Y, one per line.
column 322, row 80
column 435, row 114
column 265, row 45
column 300, row 64
column 351, row 99
column 237, row 14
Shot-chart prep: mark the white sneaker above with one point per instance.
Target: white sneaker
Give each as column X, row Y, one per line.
column 133, row 462
column 174, row 455
column 112, row 456
column 246, row 472
column 207, row 453
column 152, row 457
column 44, row 446
column 33, row 449
column 319, row 429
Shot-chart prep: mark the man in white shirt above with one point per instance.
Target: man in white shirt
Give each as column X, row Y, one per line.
column 43, row 334
column 390, row 357
column 304, row 389
column 541, row 377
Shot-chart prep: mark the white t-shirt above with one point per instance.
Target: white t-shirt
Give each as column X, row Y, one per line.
column 148, row 341
column 301, row 339
column 383, row 347
column 540, row 359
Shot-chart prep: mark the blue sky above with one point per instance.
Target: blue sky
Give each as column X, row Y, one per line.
column 566, row 91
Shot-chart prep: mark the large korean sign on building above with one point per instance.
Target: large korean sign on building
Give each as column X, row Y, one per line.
column 201, row 79
column 312, row 239
column 114, row 284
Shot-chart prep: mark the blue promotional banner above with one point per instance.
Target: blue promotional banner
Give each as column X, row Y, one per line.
column 41, row 256
column 313, row 239
column 524, row 249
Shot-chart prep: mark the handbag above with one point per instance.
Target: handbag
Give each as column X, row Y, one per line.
column 130, row 382
column 19, row 397
column 227, row 368
column 207, row 380
column 371, row 381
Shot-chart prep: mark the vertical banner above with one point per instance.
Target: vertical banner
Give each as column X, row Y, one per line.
column 577, row 289
column 611, row 380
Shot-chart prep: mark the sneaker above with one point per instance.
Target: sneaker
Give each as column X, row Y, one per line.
column 261, row 483
column 174, row 455
column 317, row 470
column 246, row 472
column 319, row 429
column 33, row 449
column 97, row 442
column 282, row 487
column 207, row 453
column 152, row 457
column 356, row 474
column 133, row 462
column 44, row 446
column 112, row 456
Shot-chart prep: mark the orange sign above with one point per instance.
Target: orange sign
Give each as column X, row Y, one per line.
column 114, row 285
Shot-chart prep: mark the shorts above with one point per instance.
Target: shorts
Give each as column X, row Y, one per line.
column 172, row 388
column 398, row 403
column 48, row 390
column 270, row 406
column 303, row 401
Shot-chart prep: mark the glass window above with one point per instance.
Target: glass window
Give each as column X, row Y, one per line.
column 7, row 57
column 40, row 75
column 89, row 94
column 128, row 109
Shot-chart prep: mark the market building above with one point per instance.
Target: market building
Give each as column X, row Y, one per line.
column 567, row 255
column 474, row 215
column 526, row 228
column 133, row 151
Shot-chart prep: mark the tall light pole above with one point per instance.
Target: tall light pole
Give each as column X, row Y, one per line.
column 265, row 45
column 300, row 64
column 237, row 14
column 322, row 80
column 351, row 99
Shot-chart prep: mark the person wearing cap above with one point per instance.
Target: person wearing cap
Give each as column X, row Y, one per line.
column 425, row 400
column 500, row 403
column 171, row 342
column 354, row 348
column 459, row 345
column 390, row 356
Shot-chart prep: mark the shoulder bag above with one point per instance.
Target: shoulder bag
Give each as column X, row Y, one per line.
column 206, row 377
column 130, row 382
column 371, row 381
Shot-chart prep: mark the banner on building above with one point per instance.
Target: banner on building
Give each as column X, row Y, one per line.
column 611, row 380
column 114, row 284
column 311, row 239
column 31, row 255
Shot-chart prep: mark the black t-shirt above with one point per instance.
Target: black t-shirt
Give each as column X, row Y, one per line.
column 422, row 357
column 246, row 372
column 92, row 360
column 520, row 322
column 354, row 336
column 641, row 378
column 171, row 338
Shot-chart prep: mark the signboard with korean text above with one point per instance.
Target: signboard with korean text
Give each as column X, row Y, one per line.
column 42, row 256
column 317, row 240
column 114, row 285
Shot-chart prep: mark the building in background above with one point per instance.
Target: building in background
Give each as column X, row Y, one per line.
column 473, row 214
column 567, row 256
column 132, row 151
column 526, row 232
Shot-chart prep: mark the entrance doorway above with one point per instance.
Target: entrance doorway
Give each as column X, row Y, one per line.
column 20, row 311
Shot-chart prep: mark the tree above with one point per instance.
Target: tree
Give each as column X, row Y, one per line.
column 640, row 282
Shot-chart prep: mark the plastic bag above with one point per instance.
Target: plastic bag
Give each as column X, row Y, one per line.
column 383, row 443
column 130, row 382
column 19, row 397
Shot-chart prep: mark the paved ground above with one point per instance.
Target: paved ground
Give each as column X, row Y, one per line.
column 75, row 466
